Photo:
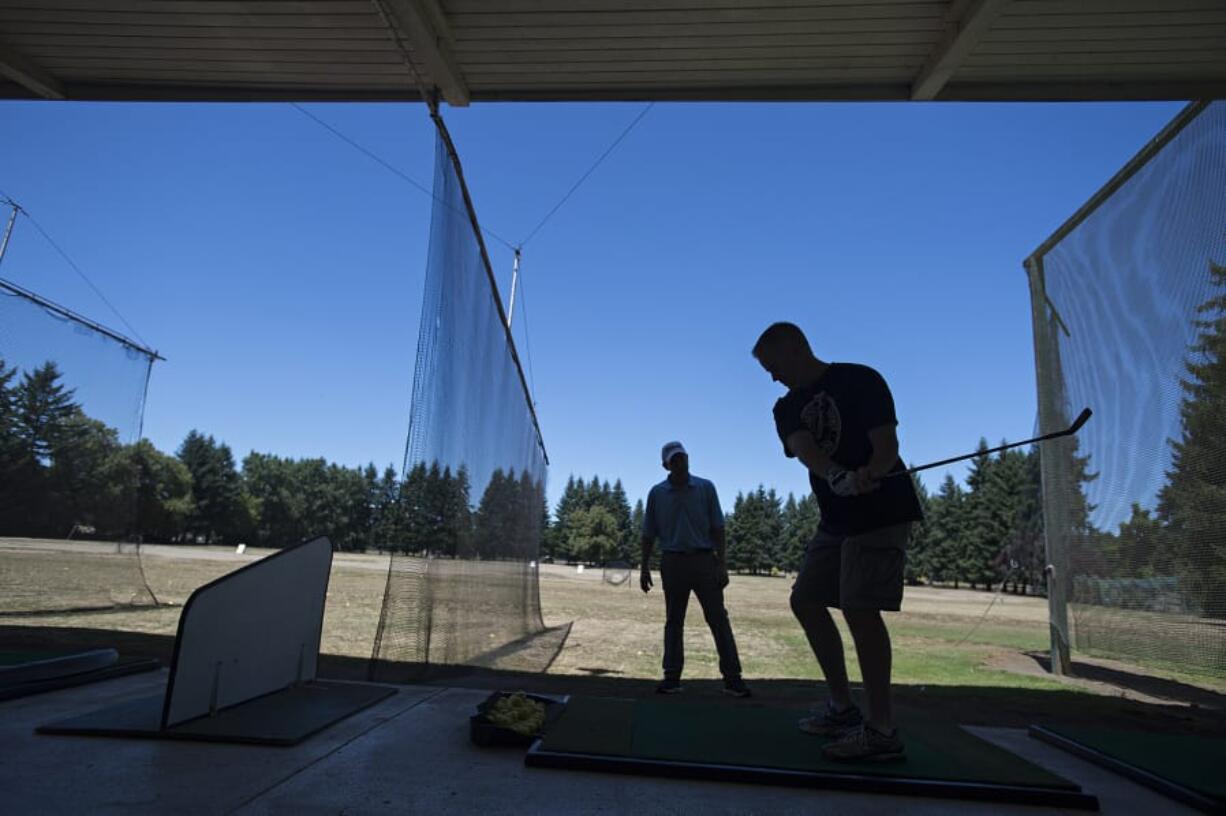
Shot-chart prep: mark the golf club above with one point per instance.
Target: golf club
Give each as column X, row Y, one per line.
column 1069, row 431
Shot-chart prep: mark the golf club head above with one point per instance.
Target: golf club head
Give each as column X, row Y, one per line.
column 1081, row 419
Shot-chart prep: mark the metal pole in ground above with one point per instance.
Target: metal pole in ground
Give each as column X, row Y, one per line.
column 1050, row 386
column 514, row 282
column 8, row 229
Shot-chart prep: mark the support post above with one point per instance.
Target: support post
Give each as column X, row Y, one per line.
column 1048, row 379
column 8, row 229
column 514, row 283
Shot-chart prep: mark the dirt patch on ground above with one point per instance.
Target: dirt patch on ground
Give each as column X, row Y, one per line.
column 1111, row 678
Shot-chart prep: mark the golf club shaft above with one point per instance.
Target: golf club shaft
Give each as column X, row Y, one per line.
column 1070, row 430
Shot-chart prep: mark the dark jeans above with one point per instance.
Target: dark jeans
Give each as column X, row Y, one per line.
column 682, row 573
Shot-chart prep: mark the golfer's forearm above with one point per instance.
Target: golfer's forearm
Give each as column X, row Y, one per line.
column 882, row 461
column 885, row 451
column 647, row 545
column 717, row 538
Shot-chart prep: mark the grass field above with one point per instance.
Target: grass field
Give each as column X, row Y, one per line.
column 942, row 638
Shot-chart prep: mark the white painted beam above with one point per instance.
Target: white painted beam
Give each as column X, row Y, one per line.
column 960, row 40
column 423, row 22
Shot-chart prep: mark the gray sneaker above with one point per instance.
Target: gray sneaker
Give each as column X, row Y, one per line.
column 669, row 686
column 831, row 722
column 865, row 744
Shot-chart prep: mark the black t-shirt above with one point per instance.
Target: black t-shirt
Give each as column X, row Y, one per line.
column 840, row 409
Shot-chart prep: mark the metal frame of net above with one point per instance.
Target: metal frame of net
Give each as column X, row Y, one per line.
column 71, row 416
column 463, row 587
column 1129, row 316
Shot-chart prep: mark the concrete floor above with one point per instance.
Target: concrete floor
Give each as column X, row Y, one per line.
column 410, row 754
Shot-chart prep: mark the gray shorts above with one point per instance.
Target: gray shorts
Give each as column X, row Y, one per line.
column 863, row 571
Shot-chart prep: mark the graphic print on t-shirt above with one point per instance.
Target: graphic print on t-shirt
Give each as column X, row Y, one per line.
column 821, row 416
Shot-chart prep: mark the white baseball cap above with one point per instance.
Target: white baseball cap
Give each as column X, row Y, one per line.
column 670, row 450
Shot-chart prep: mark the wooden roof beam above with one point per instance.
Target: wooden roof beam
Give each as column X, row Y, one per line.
column 959, row 41
column 426, row 27
column 25, row 73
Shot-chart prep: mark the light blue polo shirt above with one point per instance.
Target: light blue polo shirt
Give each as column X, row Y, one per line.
column 683, row 518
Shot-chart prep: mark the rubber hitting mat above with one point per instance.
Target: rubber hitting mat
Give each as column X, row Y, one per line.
column 753, row 742
column 33, row 672
column 1185, row 767
column 284, row 718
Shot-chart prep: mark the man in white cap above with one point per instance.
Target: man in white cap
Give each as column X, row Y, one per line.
column 683, row 512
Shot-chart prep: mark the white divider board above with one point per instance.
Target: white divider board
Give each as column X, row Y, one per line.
column 249, row 633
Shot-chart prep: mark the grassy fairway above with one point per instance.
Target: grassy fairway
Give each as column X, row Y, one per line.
column 619, row 630
column 948, row 654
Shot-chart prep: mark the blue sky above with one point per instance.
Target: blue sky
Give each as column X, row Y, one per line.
column 279, row 270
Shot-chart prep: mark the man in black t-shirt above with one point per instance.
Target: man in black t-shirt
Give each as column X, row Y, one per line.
column 838, row 419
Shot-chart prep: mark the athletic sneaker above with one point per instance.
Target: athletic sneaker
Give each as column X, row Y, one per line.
column 736, row 687
column 668, row 686
column 865, row 744
column 831, row 722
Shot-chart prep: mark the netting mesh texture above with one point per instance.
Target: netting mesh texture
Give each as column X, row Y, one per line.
column 1130, row 319
column 463, row 586
column 71, row 407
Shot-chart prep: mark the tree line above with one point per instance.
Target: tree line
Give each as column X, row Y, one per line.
column 62, row 471
column 978, row 535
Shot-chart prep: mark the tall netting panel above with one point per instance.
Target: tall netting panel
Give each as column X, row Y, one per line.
column 72, row 398
column 1129, row 302
column 463, row 583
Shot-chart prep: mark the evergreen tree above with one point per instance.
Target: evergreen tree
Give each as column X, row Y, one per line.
column 1192, row 504
column 800, row 521
column 573, row 498
column 593, row 534
column 546, row 528
column 1142, row 548
column 40, row 408
column 920, row 547
column 492, row 523
column 387, row 529
column 219, row 513
column 10, row 448
column 1026, row 550
column 755, row 532
column 159, row 489
column 16, row 468
column 449, row 507
column 86, row 480
column 984, row 534
column 279, row 504
column 947, row 525
column 635, row 553
column 619, row 506
column 43, row 406
column 414, row 515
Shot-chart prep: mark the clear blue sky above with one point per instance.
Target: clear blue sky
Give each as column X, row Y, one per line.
column 279, row 270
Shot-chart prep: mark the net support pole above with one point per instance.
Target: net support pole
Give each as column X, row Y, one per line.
column 514, row 283
column 8, row 230
column 1055, row 522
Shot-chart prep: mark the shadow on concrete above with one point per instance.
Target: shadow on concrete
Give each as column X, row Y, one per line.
column 999, row 706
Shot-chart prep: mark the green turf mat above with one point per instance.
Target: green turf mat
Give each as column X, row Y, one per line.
column 760, row 735
column 759, row 743
column 1193, row 763
column 593, row 725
